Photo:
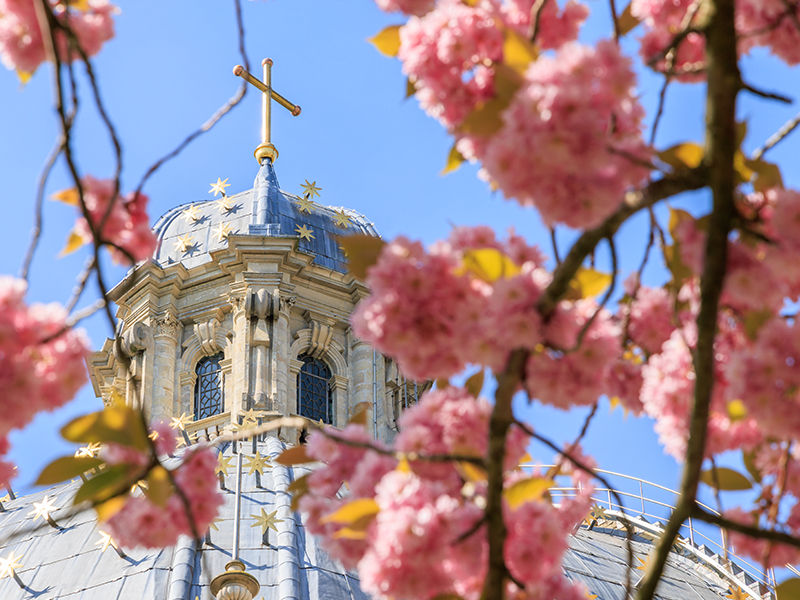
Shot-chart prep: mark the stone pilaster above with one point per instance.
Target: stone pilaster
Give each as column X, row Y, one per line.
column 280, row 361
column 165, row 352
column 240, row 355
column 361, row 368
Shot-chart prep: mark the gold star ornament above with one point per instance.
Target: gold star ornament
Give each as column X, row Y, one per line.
column 223, row 464
column 304, row 232
column 90, row 450
column 257, row 463
column 225, row 204
column 184, row 242
column 105, row 541
column 42, row 509
column 222, row 231
column 180, row 422
column 311, row 189
column 10, row 564
column 737, row 594
column 266, row 521
column 305, row 205
column 191, row 214
column 341, row 218
column 219, row 187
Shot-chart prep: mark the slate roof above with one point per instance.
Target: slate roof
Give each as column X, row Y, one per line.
column 69, row 564
column 263, row 210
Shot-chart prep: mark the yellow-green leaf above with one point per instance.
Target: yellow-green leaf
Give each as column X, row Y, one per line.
column 486, row 119
column 768, row 175
column 106, row 510
column 527, row 490
column 387, row 41
column 119, row 424
column 74, row 241
column 749, row 460
column 744, row 172
column 626, row 22
column 67, row 196
column 349, row 534
column 112, row 481
column 65, row 468
column 352, row 512
column 518, row 52
column 442, row 383
column 488, row 264
column 159, row 487
column 360, row 413
column 729, row 480
column 741, row 132
column 24, row 76
column 294, row 456
column 591, row 283
column 403, row 466
column 474, row 384
column 736, row 410
column 788, row 590
column 454, row 160
column 362, row 251
column 411, row 87
column 298, row 488
column 680, row 156
column 754, row 320
column 470, row 472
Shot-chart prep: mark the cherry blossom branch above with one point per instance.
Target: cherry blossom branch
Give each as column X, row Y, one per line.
column 221, row 112
column 701, row 514
column 667, row 186
column 38, row 218
column 769, row 95
column 723, row 87
column 615, row 20
column 660, row 111
column 779, row 135
column 80, row 284
column 502, row 417
column 536, row 15
column 554, row 243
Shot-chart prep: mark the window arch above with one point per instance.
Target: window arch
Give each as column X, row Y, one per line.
column 314, row 398
column 208, row 391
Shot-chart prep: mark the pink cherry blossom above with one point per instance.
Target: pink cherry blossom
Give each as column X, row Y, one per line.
column 41, row 359
column 567, row 104
column 127, row 226
column 650, row 318
column 557, row 26
column 409, row 7
column 6, row 468
column 143, row 523
column 21, row 43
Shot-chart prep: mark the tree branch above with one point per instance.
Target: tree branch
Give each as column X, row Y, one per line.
column 701, row 514
column 723, row 87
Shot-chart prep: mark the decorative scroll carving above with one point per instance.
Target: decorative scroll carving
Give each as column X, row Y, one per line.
column 136, row 338
column 236, row 302
column 321, row 336
column 206, row 334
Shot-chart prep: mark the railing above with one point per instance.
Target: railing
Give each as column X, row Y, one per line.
column 649, row 510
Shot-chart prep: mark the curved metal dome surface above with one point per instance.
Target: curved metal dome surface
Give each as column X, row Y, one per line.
column 74, row 563
column 188, row 233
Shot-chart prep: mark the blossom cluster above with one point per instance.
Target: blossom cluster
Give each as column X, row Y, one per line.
column 127, row 225
column 22, row 46
column 427, row 537
column 41, row 360
column 142, row 522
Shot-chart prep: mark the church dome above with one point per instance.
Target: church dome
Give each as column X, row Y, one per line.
column 189, row 233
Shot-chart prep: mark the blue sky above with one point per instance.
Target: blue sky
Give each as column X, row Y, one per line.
column 169, row 69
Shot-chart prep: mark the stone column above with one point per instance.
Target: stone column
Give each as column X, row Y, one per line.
column 165, row 355
column 240, row 354
column 280, row 352
column 361, row 367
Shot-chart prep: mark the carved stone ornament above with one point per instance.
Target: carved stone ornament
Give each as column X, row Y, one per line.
column 206, row 333
column 236, row 302
column 136, row 338
column 167, row 325
column 260, row 304
column 321, row 336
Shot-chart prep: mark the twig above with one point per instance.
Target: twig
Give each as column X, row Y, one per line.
column 660, row 111
column 536, row 15
column 38, row 208
column 555, row 245
column 769, row 95
column 80, row 284
column 698, row 512
column 612, row 5
column 785, row 130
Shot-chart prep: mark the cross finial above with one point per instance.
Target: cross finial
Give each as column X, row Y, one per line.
column 266, row 149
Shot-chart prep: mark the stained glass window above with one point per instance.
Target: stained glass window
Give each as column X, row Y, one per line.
column 208, row 399
column 314, row 390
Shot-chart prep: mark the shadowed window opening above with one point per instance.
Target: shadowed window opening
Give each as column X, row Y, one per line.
column 208, row 400
column 314, row 390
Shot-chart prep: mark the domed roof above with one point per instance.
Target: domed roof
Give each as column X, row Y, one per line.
column 74, row 562
column 188, row 233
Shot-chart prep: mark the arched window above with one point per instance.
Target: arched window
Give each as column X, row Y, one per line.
column 314, row 390
column 208, row 400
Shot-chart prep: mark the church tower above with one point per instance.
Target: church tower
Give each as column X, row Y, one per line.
column 245, row 305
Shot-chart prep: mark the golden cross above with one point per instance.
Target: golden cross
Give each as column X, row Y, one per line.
column 265, row 148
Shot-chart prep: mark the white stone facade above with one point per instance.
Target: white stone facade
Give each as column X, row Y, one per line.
column 261, row 303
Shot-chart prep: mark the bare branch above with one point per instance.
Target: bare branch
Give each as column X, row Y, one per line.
column 698, row 512
column 779, row 135
column 660, row 111
column 769, row 95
